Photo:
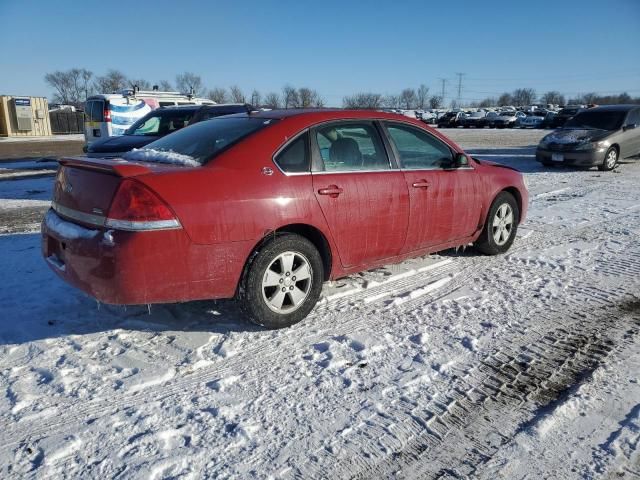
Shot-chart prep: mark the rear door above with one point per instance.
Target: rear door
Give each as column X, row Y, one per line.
column 93, row 120
column 632, row 133
column 444, row 202
column 363, row 196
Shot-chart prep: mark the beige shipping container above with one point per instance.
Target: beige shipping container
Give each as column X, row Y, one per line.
column 17, row 121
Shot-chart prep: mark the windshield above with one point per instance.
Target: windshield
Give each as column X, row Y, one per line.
column 477, row 114
column 568, row 111
column 161, row 122
column 603, row 120
column 199, row 142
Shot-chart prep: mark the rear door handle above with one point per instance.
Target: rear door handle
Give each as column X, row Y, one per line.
column 421, row 184
column 332, row 190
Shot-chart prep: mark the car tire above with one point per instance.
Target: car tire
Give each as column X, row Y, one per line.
column 501, row 225
column 610, row 160
column 266, row 293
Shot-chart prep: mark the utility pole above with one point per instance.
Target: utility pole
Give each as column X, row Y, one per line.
column 443, row 80
column 460, row 75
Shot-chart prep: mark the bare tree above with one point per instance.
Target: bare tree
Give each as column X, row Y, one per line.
column 290, row 97
column 218, row 95
column 505, row 99
column 237, row 96
column 391, row 101
column 271, row 100
column 365, row 100
column 435, row 101
column 165, row 86
column 111, row 82
column 256, row 98
column 141, row 83
column 589, row 98
column 488, row 102
column 524, row 96
column 408, row 98
column 71, row 87
column 553, row 97
column 422, row 96
column 188, row 82
column 309, row 98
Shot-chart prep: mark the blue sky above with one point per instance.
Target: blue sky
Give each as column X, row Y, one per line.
column 336, row 47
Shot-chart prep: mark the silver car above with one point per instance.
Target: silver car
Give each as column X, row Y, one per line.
column 595, row 137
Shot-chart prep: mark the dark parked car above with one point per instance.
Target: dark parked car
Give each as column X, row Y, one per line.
column 451, row 119
column 563, row 115
column 489, row 120
column 474, row 119
column 596, row 137
column 266, row 206
column 158, row 123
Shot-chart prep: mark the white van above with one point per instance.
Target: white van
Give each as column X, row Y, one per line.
column 108, row 115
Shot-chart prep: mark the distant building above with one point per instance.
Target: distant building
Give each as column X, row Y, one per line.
column 24, row 116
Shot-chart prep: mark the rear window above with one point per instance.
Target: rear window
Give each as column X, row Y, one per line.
column 200, row 142
column 94, row 110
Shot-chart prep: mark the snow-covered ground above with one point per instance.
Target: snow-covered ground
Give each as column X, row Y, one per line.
column 522, row 366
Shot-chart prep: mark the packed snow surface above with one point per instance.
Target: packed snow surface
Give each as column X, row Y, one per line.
column 455, row 365
column 160, row 156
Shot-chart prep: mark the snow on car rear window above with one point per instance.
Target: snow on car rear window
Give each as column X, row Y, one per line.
column 198, row 143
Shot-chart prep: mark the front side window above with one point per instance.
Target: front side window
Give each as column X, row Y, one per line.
column 160, row 123
column 351, row 146
column 634, row 118
column 294, row 158
column 417, row 149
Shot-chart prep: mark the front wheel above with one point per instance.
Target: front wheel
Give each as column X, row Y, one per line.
column 610, row 160
column 282, row 282
column 501, row 225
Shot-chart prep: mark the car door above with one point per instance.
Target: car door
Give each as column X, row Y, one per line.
column 444, row 201
column 363, row 196
column 632, row 132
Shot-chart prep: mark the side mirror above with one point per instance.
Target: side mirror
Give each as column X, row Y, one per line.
column 630, row 126
column 461, row 161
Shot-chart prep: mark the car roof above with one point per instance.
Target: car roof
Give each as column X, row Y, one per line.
column 612, row 108
column 324, row 114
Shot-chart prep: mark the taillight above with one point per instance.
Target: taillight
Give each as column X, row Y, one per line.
column 106, row 114
column 136, row 207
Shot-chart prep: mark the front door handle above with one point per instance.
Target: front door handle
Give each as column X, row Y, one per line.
column 421, row 184
column 332, row 190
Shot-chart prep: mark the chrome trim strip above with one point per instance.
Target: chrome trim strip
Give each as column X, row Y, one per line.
column 101, row 221
column 133, row 226
column 97, row 220
column 328, row 172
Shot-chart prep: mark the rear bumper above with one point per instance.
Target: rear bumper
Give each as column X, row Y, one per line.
column 582, row 159
column 129, row 268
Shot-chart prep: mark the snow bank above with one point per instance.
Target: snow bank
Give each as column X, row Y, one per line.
column 161, row 156
column 67, row 230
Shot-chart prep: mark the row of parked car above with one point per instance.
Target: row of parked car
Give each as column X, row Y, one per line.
column 538, row 118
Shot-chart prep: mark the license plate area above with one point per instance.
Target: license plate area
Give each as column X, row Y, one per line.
column 55, row 252
column 557, row 157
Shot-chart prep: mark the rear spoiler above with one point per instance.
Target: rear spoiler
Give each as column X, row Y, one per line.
column 119, row 167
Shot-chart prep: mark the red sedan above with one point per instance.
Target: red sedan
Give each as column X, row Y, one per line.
column 266, row 206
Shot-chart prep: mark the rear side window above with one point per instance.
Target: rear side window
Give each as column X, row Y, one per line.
column 417, row 149
column 295, row 156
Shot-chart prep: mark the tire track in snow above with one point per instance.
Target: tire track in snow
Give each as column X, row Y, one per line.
column 246, row 365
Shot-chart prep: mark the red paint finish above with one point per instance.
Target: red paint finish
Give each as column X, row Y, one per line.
column 227, row 207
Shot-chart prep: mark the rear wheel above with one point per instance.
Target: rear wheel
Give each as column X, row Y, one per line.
column 610, row 160
column 282, row 282
column 501, row 225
